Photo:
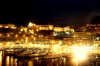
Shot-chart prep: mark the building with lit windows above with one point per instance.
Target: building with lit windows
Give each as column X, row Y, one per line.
column 83, row 38
column 63, row 31
column 8, row 26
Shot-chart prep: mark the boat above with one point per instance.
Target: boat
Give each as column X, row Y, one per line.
column 31, row 55
column 50, row 56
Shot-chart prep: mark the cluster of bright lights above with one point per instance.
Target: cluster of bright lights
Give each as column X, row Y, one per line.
column 56, row 49
column 30, row 24
column 79, row 53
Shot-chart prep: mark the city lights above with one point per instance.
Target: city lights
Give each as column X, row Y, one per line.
column 30, row 24
column 80, row 53
column 50, row 33
column 50, row 42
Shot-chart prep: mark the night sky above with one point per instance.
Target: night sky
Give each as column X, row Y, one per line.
column 67, row 12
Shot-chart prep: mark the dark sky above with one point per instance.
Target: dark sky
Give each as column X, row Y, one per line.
column 68, row 12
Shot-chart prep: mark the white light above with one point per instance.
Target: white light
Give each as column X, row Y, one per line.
column 80, row 53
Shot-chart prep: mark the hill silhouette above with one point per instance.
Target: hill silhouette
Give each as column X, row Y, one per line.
column 95, row 20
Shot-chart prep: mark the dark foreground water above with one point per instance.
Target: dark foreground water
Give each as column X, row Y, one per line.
column 6, row 60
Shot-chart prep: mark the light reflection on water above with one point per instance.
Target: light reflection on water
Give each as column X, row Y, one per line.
column 12, row 61
column 7, row 61
column 15, row 62
column 0, row 58
column 30, row 63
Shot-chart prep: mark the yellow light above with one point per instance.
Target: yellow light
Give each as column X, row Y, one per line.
column 34, row 38
column 37, row 30
column 26, row 40
column 21, row 30
column 13, row 27
column 30, row 24
column 51, row 27
column 1, row 26
column 16, row 35
column 0, row 35
column 8, row 35
column 24, row 36
column 74, row 59
column 6, row 26
column 56, row 49
column 80, row 53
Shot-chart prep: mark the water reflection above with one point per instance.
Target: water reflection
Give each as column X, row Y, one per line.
column 0, row 58
column 30, row 63
column 6, row 60
column 15, row 62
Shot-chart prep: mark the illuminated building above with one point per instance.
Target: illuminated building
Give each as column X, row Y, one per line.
column 89, row 25
column 40, row 27
column 45, row 27
column 67, row 28
column 31, row 24
column 50, row 34
column 63, row 31
column 96, row 40
column 83, row 38
column 8, row 26
column 93, row 26
column 86, row 34
column 23, row 29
